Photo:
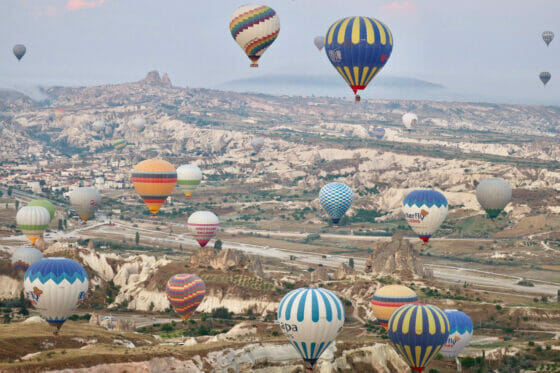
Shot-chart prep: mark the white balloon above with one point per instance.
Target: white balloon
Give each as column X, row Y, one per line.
column 23, row 257
column 203, row 226
column 410, row 120
column 425, row 211
column 189, row 177
column 33, row 220
column 85, row 201
column 493, row 194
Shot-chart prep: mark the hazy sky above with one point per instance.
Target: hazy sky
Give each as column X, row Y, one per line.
column 484, row 50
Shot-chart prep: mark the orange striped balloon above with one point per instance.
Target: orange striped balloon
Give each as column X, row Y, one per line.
column 154, row 180
column 185, row 292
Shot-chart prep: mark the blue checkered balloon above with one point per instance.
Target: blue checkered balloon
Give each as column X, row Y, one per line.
column 336, row 199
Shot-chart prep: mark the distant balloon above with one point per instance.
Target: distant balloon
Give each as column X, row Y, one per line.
column 189, row 177
column 358, row 47
column 410, row 120
column 139, row 123
column 319, row 42
column 388, row 298
column 44, row 203
column 257, row 143
column 254, row 28
column 378, row 132
column 545, row 77
column 425, row 210
column 460, row 333
column 418, row 332
column 19, row 51
column 56, row 287
column 203, row 226
column 336, row 199
column 23, row 257
column 32, row 221
column 185, row 292
column 154, row 180
column 548, row 36
column 311, row 319
column 493, row 194
column 119, row 145
column 85, row 201
column 99, row 125
column 59, row 114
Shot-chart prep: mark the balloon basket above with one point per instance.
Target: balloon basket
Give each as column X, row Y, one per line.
column 254, row 65
column 358, row 98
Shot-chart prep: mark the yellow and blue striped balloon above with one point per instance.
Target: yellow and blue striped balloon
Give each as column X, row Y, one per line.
column 358, row 47
column 418, row 332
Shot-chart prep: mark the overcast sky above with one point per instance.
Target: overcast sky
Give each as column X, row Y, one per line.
column 486, row 50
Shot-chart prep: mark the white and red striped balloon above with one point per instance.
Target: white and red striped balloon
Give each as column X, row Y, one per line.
column 203, row 226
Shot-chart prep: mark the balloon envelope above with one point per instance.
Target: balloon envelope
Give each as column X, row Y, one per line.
column 44, row 203
column 378, row 132
column 56, row 287
column 410, row 120
column 119, row 144
column 418, row 332
column 154, row 180
column 425, row 210
column 319, row 42
column 32, row 221
column 358, row 48
column 254, row 28
column 336, row 199
column 388, row 298
column 460, row 333
column 189, row 177
column 203, row 226
column 98, row 126
column 139, row 123
column 23, row 257
column 311, row 319
column 545, row 77
column 548, row 36
column 257, row 143
column 19, row 51
column 85, row 201
column 493, row 194
column 185, row 292
column 59, row 113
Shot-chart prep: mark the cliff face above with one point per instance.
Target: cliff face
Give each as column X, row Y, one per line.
column 395, row 258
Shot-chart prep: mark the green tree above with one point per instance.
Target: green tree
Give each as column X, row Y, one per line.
column 59, row 224
column 137, row 238
column 351, row 262
column 10, row 191
column 17, row 204
column 218, row 244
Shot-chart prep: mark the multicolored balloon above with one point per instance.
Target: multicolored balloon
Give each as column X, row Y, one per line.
column 59, row 114
column 154, row 180
column 410, row 120
column 56, row 287
column 388, row 298
column 33, row 221
column 418, row 332
column 493, row 194
column 425, row 210
column 336, row 199
column 358, row 47
column 44, row 203
column 545, row 77
column 189, row 177
column 19, row 51
column 23, row 257
column 319, row 42
column 378, row 132
column 548, row 36
column 257, row 143
column 203, row 226
column 119, row 144
column 254, row 28
column 185, row 292
column 85, row 200
column 311, row 319
column 460, row 333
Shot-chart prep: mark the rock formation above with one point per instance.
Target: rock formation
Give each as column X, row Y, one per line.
column 320, row 274
column 153, row 78
column 221, row 259
column 343, row 271
column 395, row 258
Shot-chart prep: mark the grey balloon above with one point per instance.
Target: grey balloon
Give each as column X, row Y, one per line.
column 319, row 42
column 493, row 194
column 19, row 51
column 257, row 143
column 545, row 77
column 548, row 36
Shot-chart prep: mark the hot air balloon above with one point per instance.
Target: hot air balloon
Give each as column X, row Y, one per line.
column 460, row 333
column 59, row 114
column 493, row 194
column 336, row 199
column 257, row 143
column 378, row 132
column 19, row 51
column 85, row 201
column 185, row 292
column 548, row 36
column 98, row 125
column 319, row 42
column 425, row 210
column 154, row 180
column 44, row 203
column 23, row 257
column 545, row 77
column 254, row 28
column 418, row 332
column 410, row 120
column 358, row 47
column 119, row 145
column 188, row 178
column 311, row 318
column 139, row 123
column 203, row 226
column 55, row 287
column 32, row 221
column 388, row 298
